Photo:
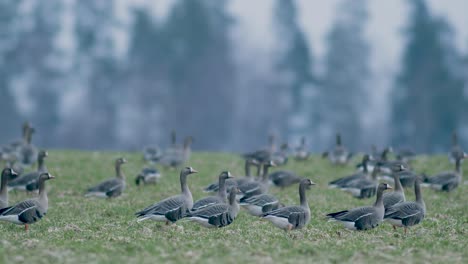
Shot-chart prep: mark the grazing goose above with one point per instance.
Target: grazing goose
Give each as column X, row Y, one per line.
column 292, row 217
column 339, row 155
column 252, row 188
column 398, row 194
column 217, row 215
column 302, row 153
column 29, row 211
column 148, row 176
column 345, row 180
column 29, row 181
column 214, row 187
column 172, row 208
column 447, row 181
column 284, row 178
column 112, row 187
column 407, row 214
column 456, row 149
column 363, row 218
column 27, row 153
column 6, row 175
column 218, row 199
column 363, row 187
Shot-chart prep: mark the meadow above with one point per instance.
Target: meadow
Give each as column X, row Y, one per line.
column 88, row 230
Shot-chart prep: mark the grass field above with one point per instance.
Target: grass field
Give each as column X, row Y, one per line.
column 82, row 230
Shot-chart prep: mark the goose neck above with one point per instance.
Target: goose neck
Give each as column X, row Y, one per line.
column 397, row 182
column 3, row 185
column 458, row 168
column 247, row 169
column 302, row 196
column 379, row 200
column 183, row 184
column 118, row 171
column 417, row 192
column 222, row 188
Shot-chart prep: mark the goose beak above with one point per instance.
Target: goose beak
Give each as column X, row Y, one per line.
column 51, row 177
column 193, row 171
column 229, row 175
column 389, row 187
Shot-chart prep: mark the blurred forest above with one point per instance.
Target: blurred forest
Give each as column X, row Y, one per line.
column 180, row 72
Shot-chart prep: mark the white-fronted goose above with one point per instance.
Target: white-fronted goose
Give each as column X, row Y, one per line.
column 363, row 218
column 284, row 178
column 27, row 153
column 29, row 181
column 455, row 150
column 252, row 188
column 217, row 215
column 398, row 194
column 381, row 159
column 363, row 187
column 172, row 208
column 408, row 214
column 29, row 211
column 447, row 181
column 152, row 153
column 7, row 173
column 112, row 187
column 175, row 157
column 238, row 180
column 292, row 217
column 217, row 199
column 301, row 152
column 281, row 157
column 341, row 182
column 258, row 205
column 148, row 176
column 339, row 155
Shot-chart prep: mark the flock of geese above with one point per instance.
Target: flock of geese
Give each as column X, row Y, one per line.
column 251, row 192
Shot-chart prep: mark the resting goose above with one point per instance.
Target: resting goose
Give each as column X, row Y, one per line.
column 29, row 181
column 217, row 215
column 363, row 218
column 112, row 187
column 148, row 176
column 398, row 194
column 29, row 211
column 214, row 187
column 218, row 199
column 256, row 187
column 284, row 178
column 447, row 181
column 339, row 155
column 408, row 214
column 345, row 180
column 292, row 217
column 172, row 208
column 302, row 153
column 7, row 173
column 363, row 187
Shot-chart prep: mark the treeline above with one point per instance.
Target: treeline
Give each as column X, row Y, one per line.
column 62, row 68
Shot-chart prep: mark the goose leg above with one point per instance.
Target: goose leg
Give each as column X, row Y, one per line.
column 26, row 227
column 394, row 228
column 406, row 229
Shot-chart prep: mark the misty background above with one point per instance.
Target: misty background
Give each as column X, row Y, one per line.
column 123, row 74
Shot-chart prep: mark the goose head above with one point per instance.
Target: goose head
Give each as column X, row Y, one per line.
column 120, row 161
column 399, row 167
column 8, row 173
column 384, row 186
column 225, row 175
column 307, row 183
column 43, row 154
column 189, row 170
column 46, row 176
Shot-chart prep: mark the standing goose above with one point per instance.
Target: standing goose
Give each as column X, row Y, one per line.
column 281, row 157
column 148, row 176
column 218, row 199
column 172, row 208
column 214, row 187
column 29, row 211
column 29, row 181
column 112, row 187
column 339, row 155
column 257, row 187
column 363, row 218
column 292, row 217
column 7, row 173
column 408, row 214
column 27, row 153
column 345, row 180
column 284, row 178
column 447, row 181
column 217, row 215
column 302, row 153
column 398, row 194
column 175, row 157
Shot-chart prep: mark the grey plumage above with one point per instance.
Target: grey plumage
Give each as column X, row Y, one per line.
column 284, row 178
column 260, row 204
column 214, row 187
column 341, row 182
column 398, row 194
column 339, row 155
column 29, row 181
column 148, row 176
column 6, row 174
column 219, row 198
column 112, row 187
column 447, row 181
column 362, row 187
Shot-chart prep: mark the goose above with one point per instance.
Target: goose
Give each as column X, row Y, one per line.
column 339, row 155
column 12, row 164
column 148, row 176
column 345, row 180
column 217, row 215
column 152, row 153
column 27, row 153
column 363, row 218
column 363, row 187
column 7, row 173
column 172, row 208
column 281, row 157
column 214, row 187
column 406, row 176
column 407, row 214
column 398, row 194
column 284, row 178
column 456, row 149
column 29, row 181
column 112, row 187
column 258, row 205
column 263, row 155
column 302, row 153
column 29, row 211
column 447, row 181
column 256, row 187
column 176, row 157
column 382, row 158
column 10, row 151
column 218, row 199
column 292, row 217
column 405, row 155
